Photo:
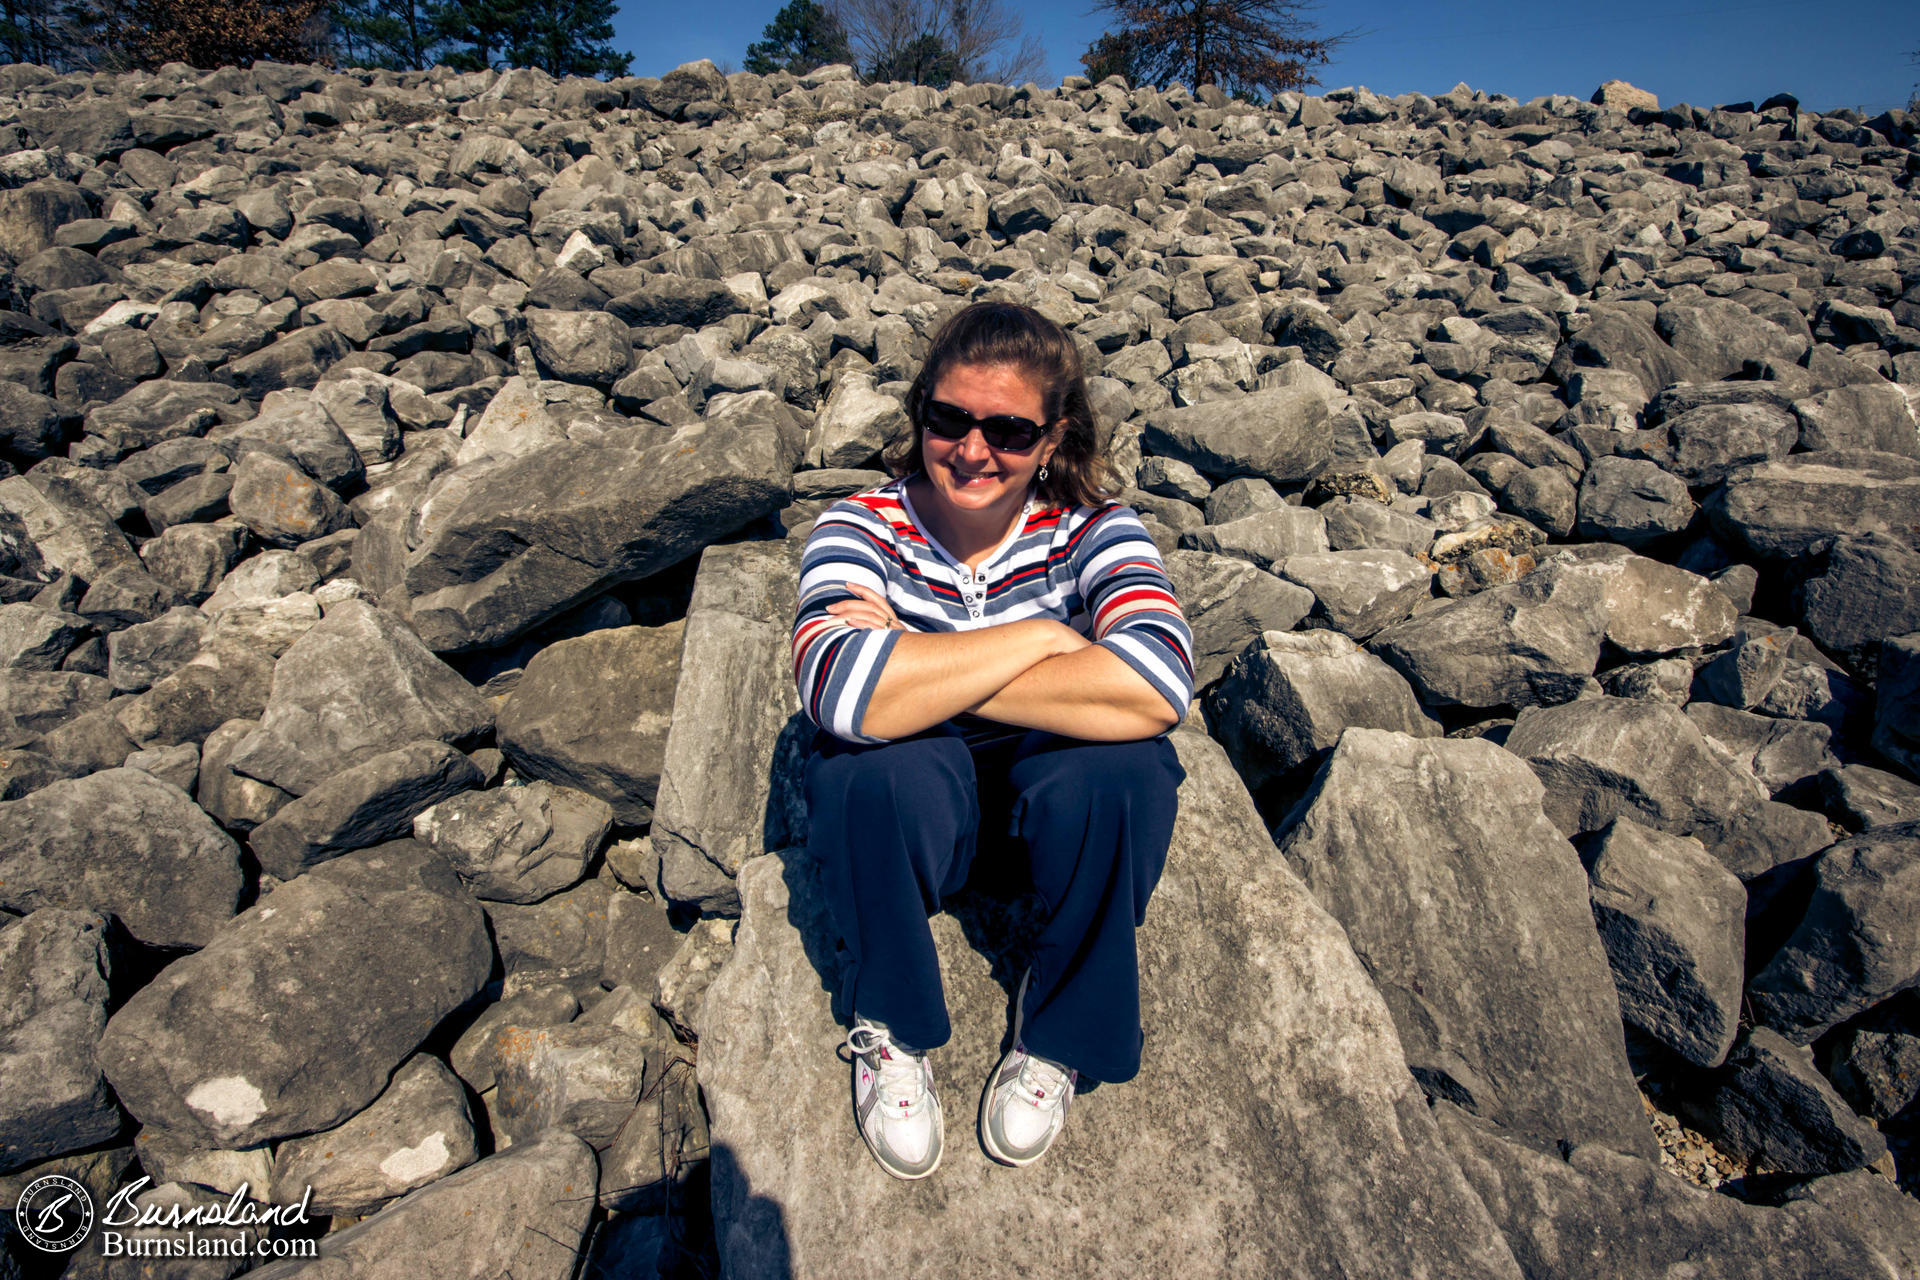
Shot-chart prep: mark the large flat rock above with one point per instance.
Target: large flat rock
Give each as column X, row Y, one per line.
column 1325, row 1162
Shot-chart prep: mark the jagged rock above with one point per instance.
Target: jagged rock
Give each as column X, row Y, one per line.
column 238, row 1044
column 766, row 1049
column 561, row 939
column 855, row 423
column 1655, row 608
column 515, row 844
column 1874, row 1061
column 142, row 654
column 282, row 504
column 125, row 843
column 36, row 639
column 1360, row 592
column 590, row 347
column 1769, row 1103
column 1228, row 603
column 371, row 803
column 1868, row 416
column 536, row 535
column 1850, row 951
column 358, row 683
column 1265, row 538
column 1281, row 435
column 593, row 713
column 1870, row 590
column 1674, row 924
column 1781, row 753
column 1477, row 876
column 476, row 1055
column 1896, row 715
column 55, row 971
column 1604, row 758
column 416, row 1132
column 681, row 985
column 724, row 799
column 582, row 1078
column 1796, row 506
column 1287, row 699
column 536, row 1200
column 1599, row 1215
column 1873, row 1208
column 168, row 1157
column 1535, row 641
column 1858, row 796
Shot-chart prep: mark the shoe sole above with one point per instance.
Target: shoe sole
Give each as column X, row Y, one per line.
column 986, row 1095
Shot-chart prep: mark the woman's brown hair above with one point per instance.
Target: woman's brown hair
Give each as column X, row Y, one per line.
column 1004, row 333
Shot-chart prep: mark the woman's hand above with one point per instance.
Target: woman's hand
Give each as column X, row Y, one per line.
column 870, row 612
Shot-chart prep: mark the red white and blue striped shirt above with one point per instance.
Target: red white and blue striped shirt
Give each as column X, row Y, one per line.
column 1093, row 568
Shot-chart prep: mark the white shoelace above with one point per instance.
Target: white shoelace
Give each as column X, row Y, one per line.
column 899, row 1077
column 1041, row 1085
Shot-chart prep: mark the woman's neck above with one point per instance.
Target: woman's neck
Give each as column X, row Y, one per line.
column 968, row 536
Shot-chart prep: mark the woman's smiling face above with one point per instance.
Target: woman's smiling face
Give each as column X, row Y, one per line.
column 968, row 475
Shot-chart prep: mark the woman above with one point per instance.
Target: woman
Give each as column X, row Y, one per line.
column 989, row 634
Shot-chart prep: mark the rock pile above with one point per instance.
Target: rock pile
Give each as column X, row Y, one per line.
column 401, row 483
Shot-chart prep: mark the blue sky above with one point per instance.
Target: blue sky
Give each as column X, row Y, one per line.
column 1839, row 54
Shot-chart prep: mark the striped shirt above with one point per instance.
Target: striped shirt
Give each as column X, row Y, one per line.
column 1093, row 568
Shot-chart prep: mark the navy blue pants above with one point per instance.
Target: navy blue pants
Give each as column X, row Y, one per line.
column 895, row 827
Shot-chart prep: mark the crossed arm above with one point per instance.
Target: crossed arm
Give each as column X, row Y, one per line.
column 1036, row 673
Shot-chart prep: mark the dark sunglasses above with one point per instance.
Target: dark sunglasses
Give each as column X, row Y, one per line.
column 1005, row 432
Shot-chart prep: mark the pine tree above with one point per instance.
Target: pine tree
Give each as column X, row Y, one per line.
column 386, row 33
column 486, row 28
column 568, row 38
column 801, row 36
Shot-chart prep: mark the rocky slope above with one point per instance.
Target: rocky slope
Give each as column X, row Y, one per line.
column 401, row 484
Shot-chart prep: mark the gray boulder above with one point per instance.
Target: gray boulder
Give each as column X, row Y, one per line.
column 37, row 639
column 1228, row 603
column 535, row 1200
column 355, row 685
column 1654, row 608
column 580, row 346
column 1358, row 593
column 516, row 844
column 593, row 713
column 1721, row 338
column 537, row 535
column 1472, row 916
column 125, row 843
column 1770, row 1103
column 1532, row 642
column 1265, row 538
column 582, row 1077
column 1799, row 505
column 1866, row 416
column 417, row 1131
column 1896, row 712
column 1595, row 1214
column 1288, row 697
column 855, row 423
column 282, row 504
column 1853, row 948
column 1604, row 758
column 477, row 1055
column 1359, row 1183
column 1282, row 435
column 241, row 1043
column 55, row 971
column 1870, row 590
column 727, row 797
column 1359, row 523
column 368, row 804
column 1781, row 753
column 139, row 655
column 558, row 940
column 1673, row 921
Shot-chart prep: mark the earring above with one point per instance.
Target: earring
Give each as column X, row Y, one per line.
column 1042, row 474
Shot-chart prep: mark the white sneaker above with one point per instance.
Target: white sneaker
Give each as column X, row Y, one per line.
column 894, row 1103
column 1024, row 1106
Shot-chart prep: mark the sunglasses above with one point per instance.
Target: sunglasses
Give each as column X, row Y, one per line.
column 1005, row 432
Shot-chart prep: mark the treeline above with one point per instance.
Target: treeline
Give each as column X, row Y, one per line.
column 1251, row 48
column 562, row 37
